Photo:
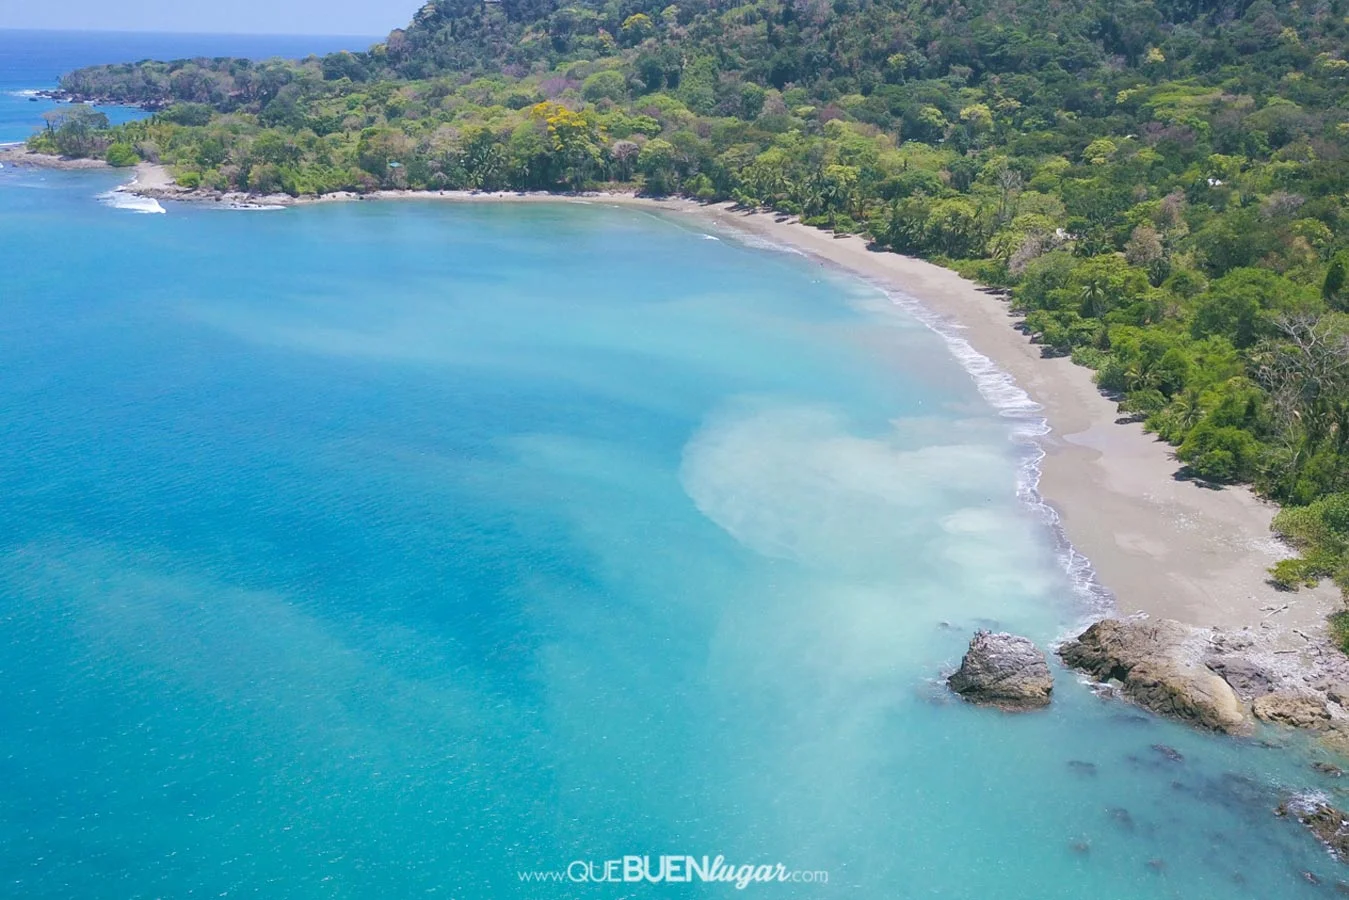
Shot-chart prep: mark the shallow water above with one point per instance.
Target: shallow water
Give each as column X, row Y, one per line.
column 390, row 549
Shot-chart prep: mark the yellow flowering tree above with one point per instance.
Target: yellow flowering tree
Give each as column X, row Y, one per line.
column 576, row 141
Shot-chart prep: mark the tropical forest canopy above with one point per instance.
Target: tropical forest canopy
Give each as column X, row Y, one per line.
column 1164, row 186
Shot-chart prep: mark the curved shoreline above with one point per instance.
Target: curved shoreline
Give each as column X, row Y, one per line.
column 1160, row 545
column 1164, row 546
column 990, row 378
column 1128, row 529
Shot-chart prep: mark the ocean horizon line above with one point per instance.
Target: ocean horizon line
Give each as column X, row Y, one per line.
column 116, row 32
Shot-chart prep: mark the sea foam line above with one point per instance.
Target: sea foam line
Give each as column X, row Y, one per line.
column 1011, row 401
column 752, row 240
column 1001, row 392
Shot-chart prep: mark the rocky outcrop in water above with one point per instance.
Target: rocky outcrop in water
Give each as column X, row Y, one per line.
column 1003, row 670
column 1158, row 666
column 1225, row 680
column 1323, row 820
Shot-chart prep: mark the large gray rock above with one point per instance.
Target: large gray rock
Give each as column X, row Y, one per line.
column 1005, row 671
column 1246, row 678
column 1158, row 664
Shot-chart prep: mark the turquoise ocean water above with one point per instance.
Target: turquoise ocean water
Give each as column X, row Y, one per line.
column 392, row 550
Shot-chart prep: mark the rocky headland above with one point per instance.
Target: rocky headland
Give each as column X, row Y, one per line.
column 21, row 157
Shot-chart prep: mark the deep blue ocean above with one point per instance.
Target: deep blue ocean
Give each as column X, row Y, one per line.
column 397, row 549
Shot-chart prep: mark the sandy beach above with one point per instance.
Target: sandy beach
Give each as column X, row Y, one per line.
column 1160, row 545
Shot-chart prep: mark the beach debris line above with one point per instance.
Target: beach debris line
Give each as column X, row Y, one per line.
column 1003, row 670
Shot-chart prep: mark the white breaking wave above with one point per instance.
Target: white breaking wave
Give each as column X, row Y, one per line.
column 24, row 93
column 1011, row 401
column 758, row 242
column 130, row 202
column 1007, row 397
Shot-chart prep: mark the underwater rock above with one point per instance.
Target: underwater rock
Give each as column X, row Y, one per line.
column 1170, row 753
column 1157, row 663
column 1082, row 767
column 1336, row 737
column 1121, row 816
column 1003, row 670
column 1130, row 719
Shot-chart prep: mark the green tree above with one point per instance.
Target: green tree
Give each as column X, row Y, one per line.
column 657, row 163
column 1333, row 288
column 1217, row 453
column 1236, row 306
column 607, row 85
column 77, row 130
column 121, row 155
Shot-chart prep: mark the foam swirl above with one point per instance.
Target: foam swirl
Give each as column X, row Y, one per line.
column 1011, row 401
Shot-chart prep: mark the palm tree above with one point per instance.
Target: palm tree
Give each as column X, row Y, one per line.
column 1186, row 410
column 1094, row 297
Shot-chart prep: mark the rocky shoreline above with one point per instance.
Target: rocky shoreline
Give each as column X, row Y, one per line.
column 58, row 95
column 1222, row 679
column 1214, row 679
column 160, row 186
column 154, row 181
column 19, row 156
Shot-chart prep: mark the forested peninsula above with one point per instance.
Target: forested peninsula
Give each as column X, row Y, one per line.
column 1163, row 187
